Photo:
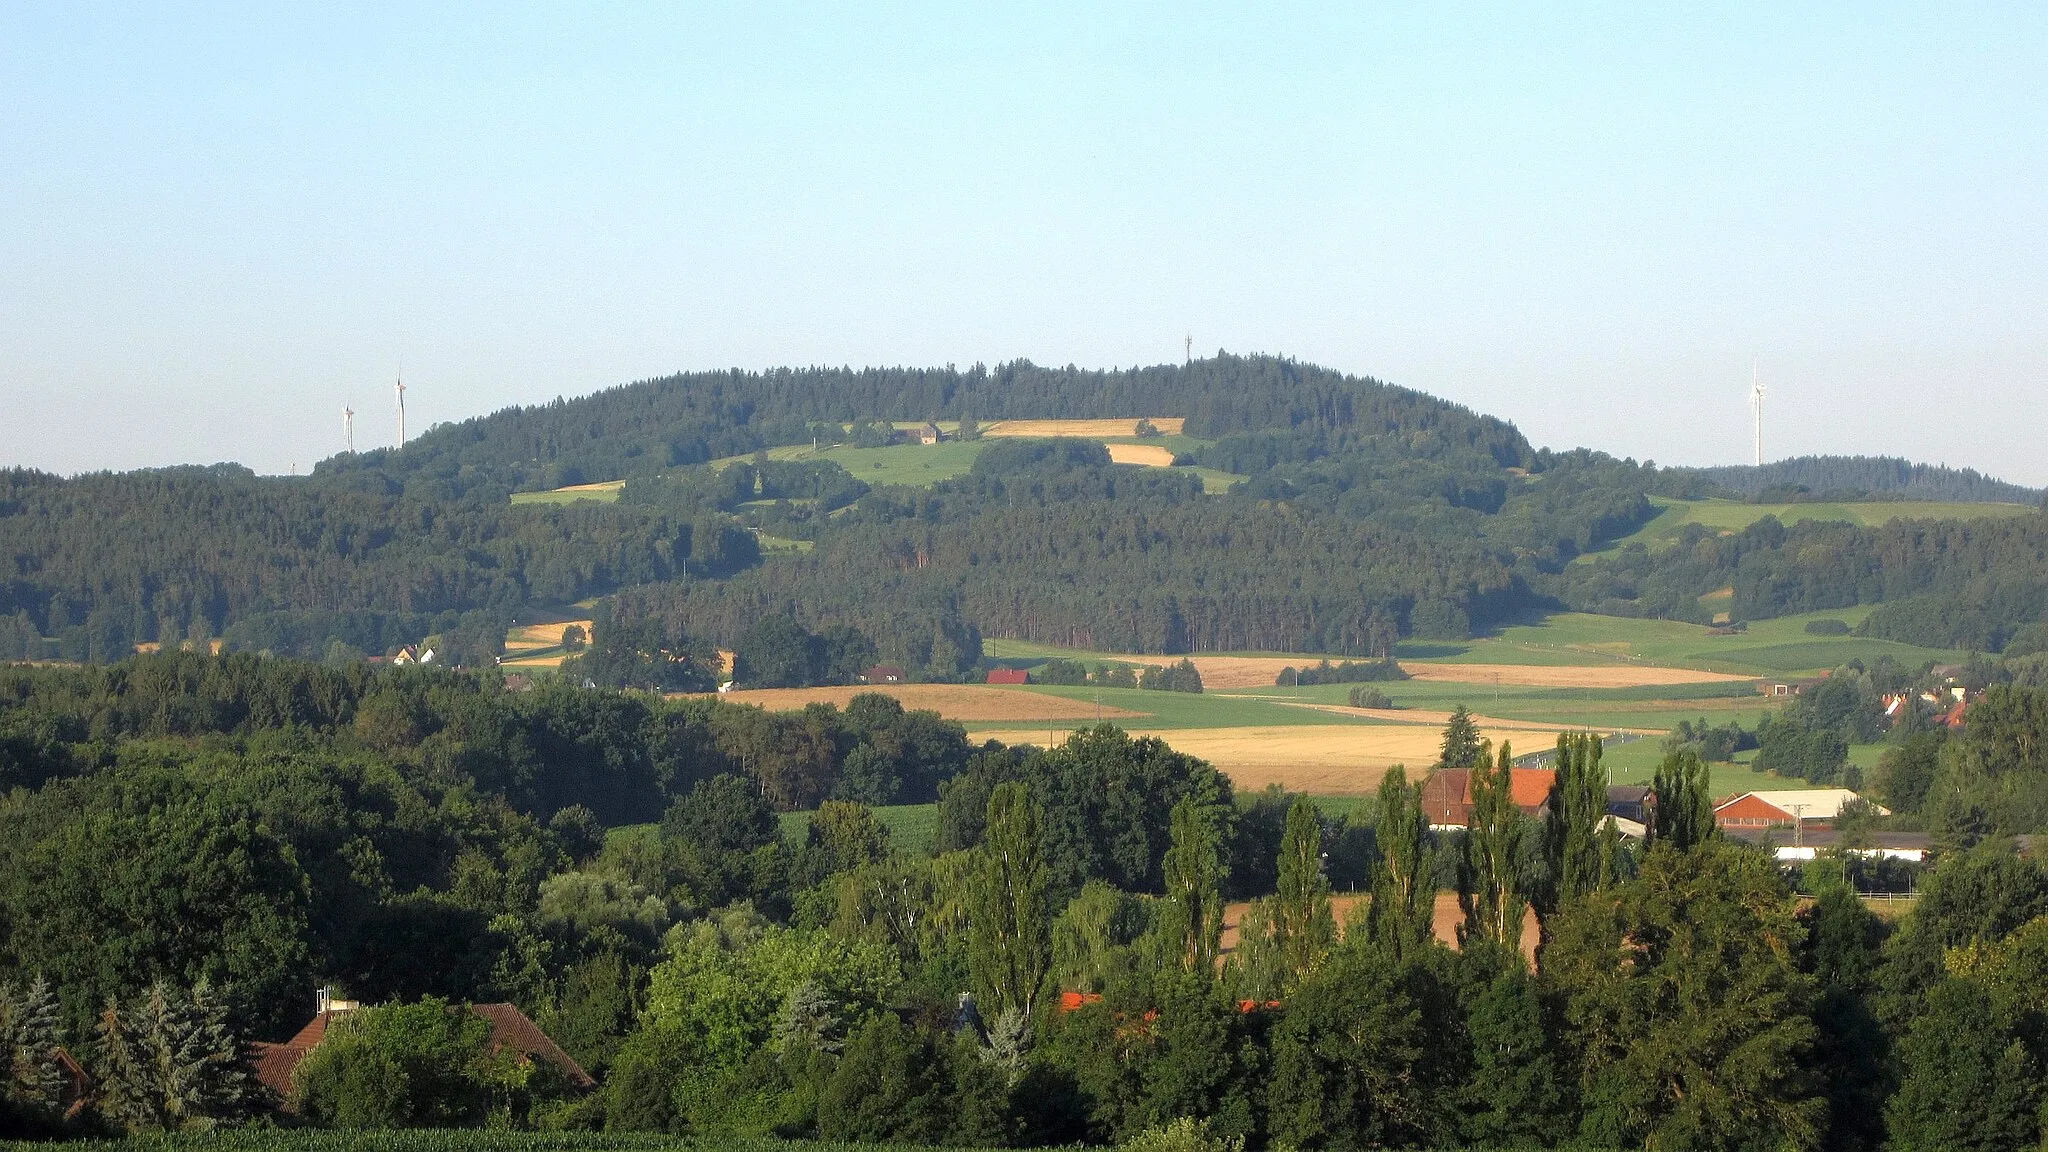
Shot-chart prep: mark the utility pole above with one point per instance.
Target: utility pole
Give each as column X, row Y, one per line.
column 1798, row 825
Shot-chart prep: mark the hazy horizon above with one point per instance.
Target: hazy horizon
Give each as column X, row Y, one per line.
column 221, row 227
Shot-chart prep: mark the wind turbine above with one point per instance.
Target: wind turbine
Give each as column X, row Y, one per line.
column 401, row 411
column 348, row 428
column 1756, row 404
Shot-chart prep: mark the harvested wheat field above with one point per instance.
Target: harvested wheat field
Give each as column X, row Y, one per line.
column 1445, row 917
column 1320, row 759
column 952, row 701
column 527, row 637
column 1151, row 455
column 1087, row 429
column 1437, row 720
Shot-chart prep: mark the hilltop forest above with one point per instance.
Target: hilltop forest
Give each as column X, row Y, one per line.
column 1363, row 514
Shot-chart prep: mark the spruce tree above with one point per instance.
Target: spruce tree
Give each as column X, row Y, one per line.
column 1191, row 919
column 31, row 1080
column 1462, row 747
column 1303, row 929
column 1008, row 935
column 1403, row 877
column 1490, row 874
column 170, row 1063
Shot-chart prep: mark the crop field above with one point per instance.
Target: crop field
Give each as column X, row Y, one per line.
column 1122, row 428
column 535, row 640
column 1732, row 516
column 1150, row 455
column 963, row 702
column 603, row 492
column 912, row 827
column 442, row 1140
column 1777, row 647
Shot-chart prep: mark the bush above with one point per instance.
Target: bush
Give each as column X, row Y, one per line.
column 1827, row 627
column 1349, row 672
column 1185, row 1134
column 1061, row 672
column 1371, row 698
column 399, row 1066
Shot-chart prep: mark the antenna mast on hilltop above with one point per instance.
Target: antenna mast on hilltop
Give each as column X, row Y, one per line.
column 1756, row 404
column 348, row 428
column 1188, row 344
column 401, row 411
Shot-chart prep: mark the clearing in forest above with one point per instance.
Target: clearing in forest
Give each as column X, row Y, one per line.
column 962, row 702
column 1150, row 455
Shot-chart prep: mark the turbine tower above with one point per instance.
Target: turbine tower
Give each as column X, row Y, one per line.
column 348, row 428
column 401, row 412
column 1756, row 404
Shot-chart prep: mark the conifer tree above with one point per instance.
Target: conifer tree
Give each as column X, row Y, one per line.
column 1303, row 929
column 1008, row 936
column 31, row 1079
column 1462, row 747
column 1490, row 875
column 1685, row 805
column 1403, row 878
column 1191, row 920
column 172, row 1063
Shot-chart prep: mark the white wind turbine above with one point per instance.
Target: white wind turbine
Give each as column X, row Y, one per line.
column 1756, row 404
column 401, row 411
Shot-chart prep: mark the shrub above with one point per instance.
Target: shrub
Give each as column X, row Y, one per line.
column 1370, row 698
column 1185, row 1134
column 1828, row 627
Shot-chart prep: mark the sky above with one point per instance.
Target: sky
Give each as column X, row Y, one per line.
column 219, row 226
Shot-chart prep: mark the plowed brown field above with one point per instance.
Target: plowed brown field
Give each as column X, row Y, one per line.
column 952, row 701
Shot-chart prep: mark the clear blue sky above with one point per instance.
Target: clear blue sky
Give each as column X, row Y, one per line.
column 216, row 227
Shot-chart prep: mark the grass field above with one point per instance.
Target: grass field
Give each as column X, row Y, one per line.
column 1780, row 647
column 912, row 827
column 605, row 492
column 269, row 1139
column 968, row 703
column 1121, row 428
column 1733, row 516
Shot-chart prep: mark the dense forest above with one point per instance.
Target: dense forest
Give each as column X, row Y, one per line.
column 188, row 844
column 1365, row 514
column 1863, row 477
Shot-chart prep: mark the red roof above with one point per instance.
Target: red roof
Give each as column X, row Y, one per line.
column 1008, row 676
column 1447, row 793
column 275, row 1063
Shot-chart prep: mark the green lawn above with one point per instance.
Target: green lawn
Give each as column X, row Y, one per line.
column 1733, row 516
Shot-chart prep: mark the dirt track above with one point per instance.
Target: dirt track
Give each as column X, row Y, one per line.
column 952, row 701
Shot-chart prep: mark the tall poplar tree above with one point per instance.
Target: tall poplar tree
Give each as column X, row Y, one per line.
column 1581, row 846
column 1490, row 875
column 1009, row 944
column 1303, row 929
column 1191, row 920
column 1403, row 878
column 1685, row 805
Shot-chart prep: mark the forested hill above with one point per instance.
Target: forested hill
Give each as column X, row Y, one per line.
column 1828, row 477
column 689, row 418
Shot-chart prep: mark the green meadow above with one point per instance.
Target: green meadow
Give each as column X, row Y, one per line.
column 1733, row 515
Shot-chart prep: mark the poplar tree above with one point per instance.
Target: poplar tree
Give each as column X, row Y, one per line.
column 1008, row 937
column 1403, row 878
column 1191, row 922
column 1303, row 929
column 1578, row 841
column 1490, row 874
column 1685, row 806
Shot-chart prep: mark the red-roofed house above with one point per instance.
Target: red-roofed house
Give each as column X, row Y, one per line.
column 510, row 1029
column 1447, row 794
column 1008, row 676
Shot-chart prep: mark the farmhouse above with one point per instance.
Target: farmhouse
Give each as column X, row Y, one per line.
column 930, row 434
column 883, row 674
column 511, row 1031
column 1817, row 806
column 1008, row 676
column 1447, row 795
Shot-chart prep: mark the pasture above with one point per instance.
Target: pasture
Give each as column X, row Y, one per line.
column 604, row 492
column 1723, row 516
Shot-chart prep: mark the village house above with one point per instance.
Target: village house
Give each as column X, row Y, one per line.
column 1008, row 676
column 1811, row 807
column 511, row 1031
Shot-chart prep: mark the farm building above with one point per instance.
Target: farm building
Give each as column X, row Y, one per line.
column 1447, row 795
column 883, row 674
column 511, row 1031
column 930, row 434
column 1783, row 809
column 1008, row 676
